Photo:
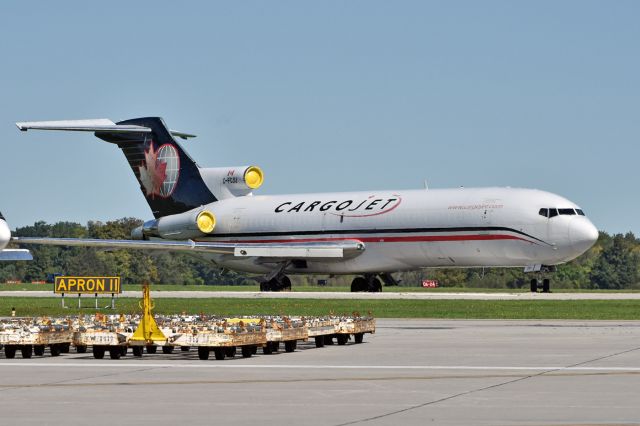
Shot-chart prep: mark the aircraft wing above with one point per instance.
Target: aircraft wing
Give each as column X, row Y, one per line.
column 336, row 250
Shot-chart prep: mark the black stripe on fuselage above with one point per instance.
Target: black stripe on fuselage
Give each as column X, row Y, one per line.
column 378, row 231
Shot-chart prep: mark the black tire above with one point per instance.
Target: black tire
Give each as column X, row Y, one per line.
column 54, row 349
column 115, row 352
column 375, row 286
column 38, row 350
column 247, row 351
column 27, row 351
column 358, row 284
column 167, row 349
column 203, row 353
column 285, row 283
column 358, row 337
column 328, row 340
column 219, row 353
column 546, row 285
column 152, row 349
column 534, row 285
column 137, row 350
column 319, row 341
column 81, row 349
column 124, row 350
column 254, row 349
column 230, row 351
column 98, row 351
column 10, row 351
column 342, row 339
column 65, row 347
column 185, row 348
column 275, row 347
column 290, row 346
column 267, row 349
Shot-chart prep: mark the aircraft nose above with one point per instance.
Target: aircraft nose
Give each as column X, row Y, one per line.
column 5, row 234
column 583, row 234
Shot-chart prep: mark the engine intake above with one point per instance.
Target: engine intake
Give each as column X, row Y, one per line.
column 229, row 182
column 191, row 224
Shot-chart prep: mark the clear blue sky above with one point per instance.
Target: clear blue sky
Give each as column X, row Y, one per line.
column 327, row 96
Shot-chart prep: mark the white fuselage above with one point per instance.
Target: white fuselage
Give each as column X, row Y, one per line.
column 409, row 229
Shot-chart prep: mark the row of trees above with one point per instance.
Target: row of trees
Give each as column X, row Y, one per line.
column 612, row 263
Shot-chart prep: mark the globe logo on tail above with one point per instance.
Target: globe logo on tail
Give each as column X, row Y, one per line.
column 160, row 170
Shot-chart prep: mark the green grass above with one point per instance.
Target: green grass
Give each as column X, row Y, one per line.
column 179, row 287
column 444, row 309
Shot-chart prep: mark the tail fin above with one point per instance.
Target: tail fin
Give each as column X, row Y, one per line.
column 168, row 176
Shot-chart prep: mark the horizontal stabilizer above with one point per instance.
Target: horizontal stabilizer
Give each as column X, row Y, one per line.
column 96, row 125
column 15, row 254
column 314, row 250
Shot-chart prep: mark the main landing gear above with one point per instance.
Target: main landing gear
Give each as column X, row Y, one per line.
column 369, row 283
column 280, row 283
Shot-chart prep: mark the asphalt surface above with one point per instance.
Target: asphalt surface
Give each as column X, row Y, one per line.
column 385, row 295
column 411, row 372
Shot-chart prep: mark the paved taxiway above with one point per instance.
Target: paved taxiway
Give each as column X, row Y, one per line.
column 385, row 295
column 411, row 372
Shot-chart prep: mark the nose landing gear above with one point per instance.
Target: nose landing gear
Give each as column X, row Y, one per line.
column 544, row 284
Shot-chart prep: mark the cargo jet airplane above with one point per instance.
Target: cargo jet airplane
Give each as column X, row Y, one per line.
column 213, row 213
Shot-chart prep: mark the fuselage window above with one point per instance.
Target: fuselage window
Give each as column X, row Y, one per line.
column 580, row 212
column 567, row 211
column 553, row 212
column 544, row 212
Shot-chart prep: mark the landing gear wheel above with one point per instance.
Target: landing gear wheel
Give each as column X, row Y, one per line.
column 98, row 352
column 375, row 286
column 285, row 283
column 219, row 353
column 342, row 339
column 358, row 284
column 115, row 352
column 534, row 285
column 203, row 353
column 546, row 284
column 247, row 351
column 10, row 351
column 167, row 349
column 38, row 350
column 152, row 349
column 81, row 349
column 137, row 350
column 358, row 337
column 27, row 351
column 319, row 341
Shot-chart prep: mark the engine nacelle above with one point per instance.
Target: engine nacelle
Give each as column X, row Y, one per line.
column 229, row 182
column 5, row 234
column 187, row 225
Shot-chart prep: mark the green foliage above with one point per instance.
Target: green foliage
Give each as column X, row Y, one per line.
column 612, row 263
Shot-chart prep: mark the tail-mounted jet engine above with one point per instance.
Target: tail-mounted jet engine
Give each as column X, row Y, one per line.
column 229, row 182
column 188, row 225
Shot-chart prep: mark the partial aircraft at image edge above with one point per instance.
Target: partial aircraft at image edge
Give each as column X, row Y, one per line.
column 213, row 213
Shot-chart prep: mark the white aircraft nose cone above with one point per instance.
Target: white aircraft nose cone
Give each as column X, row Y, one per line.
column 583, row 235
column 5, row 234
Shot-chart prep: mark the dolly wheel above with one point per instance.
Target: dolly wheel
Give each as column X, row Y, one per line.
column 319, row 341
column 81, row 349
column 358, row 337
column 38, row 350
column 247, row 351
column 151, row 349
column 10, row 351
column 342, row 339
column 290, row 346
column 27, row 351
column 167, row 349
column 54, row 349
column 219, row 353
column 230, row 352
column 115, row 352
column 98, row 352
column 137, row 351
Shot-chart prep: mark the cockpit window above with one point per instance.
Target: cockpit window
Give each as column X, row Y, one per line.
column 580, row 212
column 567, row 211
column 553, row 212
column 544, row 212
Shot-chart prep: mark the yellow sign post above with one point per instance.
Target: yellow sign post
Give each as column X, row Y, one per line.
column 88, row 285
